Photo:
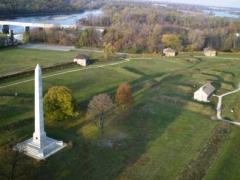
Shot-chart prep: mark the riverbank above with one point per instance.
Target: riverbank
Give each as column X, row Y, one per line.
column 21, row 15
column 63, row 18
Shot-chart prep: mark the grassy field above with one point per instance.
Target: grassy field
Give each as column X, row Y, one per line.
column 226, row 163
column 156, row 138
column 15, row 60
column 229, row 103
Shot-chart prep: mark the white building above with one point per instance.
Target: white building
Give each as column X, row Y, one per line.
column 82, row 60
column 204, row 92
column 210, row 52
column 168, row 52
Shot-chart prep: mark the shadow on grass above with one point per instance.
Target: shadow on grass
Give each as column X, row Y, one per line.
column 145, row 122
column 89, row 161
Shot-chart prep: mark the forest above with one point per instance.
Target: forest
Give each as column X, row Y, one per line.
column 152, row 28
column 11, row 8
column 140, row 28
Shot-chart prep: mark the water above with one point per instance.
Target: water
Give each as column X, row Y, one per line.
column 70, row 19
column 219, row 13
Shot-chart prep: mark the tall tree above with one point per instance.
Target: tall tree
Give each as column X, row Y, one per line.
column 171, row 41
column 109, row 50
column 196, row 39
column 98, row 107
column 154, row 43
column 88, row 37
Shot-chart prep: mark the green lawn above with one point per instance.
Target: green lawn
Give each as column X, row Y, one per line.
column 226, row 164
column 15, row 59
column 155, row 139
column 229, row 106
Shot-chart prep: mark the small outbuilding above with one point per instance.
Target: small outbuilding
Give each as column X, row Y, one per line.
column 168, row 52
column 210, row 52
column 82, row 60
column 203, row 93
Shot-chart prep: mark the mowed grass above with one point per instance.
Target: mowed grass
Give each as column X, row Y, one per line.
column 229, row 106
column 155, row 139
column 14, row 60
column 226, row 164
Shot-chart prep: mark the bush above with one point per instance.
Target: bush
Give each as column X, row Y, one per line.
column 26, row 37
column 124, row 94
column 59, row 104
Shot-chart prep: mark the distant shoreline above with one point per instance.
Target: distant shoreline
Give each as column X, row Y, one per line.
column 13, row 16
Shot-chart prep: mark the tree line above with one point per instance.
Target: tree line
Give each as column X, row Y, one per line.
column 150, row 28
column 37, row 7
column 140, row 29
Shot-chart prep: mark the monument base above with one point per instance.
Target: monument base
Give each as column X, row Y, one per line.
column 49, row 147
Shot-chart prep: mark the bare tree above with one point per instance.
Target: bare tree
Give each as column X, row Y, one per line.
column 98, row 107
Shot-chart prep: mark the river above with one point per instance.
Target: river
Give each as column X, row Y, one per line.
column 221, row 13
column 69, row 19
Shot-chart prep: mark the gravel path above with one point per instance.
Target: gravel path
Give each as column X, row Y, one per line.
column 47, row 47
column 219, row 107
column 41, row 46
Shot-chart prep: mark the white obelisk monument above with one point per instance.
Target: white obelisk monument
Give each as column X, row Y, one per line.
column 39, row 136
column 39, row 146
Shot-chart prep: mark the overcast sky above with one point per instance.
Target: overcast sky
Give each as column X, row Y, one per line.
column 225, row 3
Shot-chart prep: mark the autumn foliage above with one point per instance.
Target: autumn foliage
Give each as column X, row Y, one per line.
column 124, row 94
column 59, row 103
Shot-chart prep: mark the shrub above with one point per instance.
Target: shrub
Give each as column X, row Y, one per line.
column 59, row 104
column 124, row 94
column 26, row 37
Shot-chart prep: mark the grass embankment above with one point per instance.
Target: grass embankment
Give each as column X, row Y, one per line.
column 157, row 138
column 13, row 60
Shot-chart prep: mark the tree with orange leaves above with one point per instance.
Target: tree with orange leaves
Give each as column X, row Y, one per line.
column 124, row 94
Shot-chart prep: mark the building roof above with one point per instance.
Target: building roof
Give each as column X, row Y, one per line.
column 208, row 88
column 81, row 56
column 169, row 50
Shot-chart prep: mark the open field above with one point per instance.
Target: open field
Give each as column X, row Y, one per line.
column 18, row 60
column 226, row 163
column 229, row 103
column 156, row 138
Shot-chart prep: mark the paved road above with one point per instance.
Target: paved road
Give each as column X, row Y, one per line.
column 41, row 46
column 47, row 47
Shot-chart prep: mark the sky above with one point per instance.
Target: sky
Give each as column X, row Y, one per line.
column 222, row 3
